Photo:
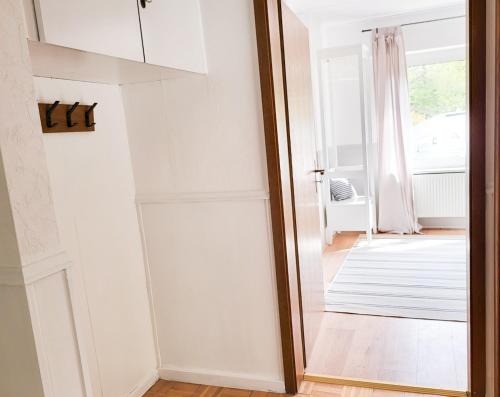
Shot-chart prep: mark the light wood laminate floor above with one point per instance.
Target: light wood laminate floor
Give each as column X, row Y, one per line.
column 165, row 388
column 411, row 351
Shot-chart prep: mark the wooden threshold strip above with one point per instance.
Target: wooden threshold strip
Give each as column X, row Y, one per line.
column 343, row 381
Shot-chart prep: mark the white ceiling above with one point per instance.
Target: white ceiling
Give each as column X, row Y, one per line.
column 348, row 10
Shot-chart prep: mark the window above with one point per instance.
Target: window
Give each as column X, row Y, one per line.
column 437, row 101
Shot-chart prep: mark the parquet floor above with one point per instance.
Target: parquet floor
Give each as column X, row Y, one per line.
column 410, row 351
column 165, row 388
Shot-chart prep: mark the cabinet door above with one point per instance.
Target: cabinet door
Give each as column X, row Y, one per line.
column 109, row 27
column 173, row 35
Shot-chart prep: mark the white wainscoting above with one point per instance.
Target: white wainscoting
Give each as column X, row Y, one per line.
column 440, row 195
column 200, row 197
column 222, row 379
column 55, row 321
column 211, row 280
column 97, row 220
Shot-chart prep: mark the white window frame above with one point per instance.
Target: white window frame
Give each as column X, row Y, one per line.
column 429, row 57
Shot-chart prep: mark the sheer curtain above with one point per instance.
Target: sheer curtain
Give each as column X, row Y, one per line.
column 396, row 208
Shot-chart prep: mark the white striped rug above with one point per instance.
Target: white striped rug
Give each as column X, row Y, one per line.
column 414, row 277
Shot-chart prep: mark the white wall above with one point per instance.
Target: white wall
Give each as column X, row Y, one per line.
column 94, row 194
column 198, row 155
column 420, row 36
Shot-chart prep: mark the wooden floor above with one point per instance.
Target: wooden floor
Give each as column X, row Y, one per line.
column 165, row 388
column 411, row 351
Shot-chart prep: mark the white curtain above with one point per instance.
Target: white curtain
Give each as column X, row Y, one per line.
column 396, row 209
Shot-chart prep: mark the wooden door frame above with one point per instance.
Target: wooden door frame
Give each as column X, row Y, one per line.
column 477, row 196
column 269, row 47
column 496, row 219
column 269, row 37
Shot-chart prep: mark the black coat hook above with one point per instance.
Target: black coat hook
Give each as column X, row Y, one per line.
column 88, row 124
column 69, row 123
column 48, row 115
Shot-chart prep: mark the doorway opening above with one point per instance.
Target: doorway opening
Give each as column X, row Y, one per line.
column 396, row 303
column 380, row 289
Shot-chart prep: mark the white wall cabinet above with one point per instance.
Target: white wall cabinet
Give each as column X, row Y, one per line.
column 171, row 35
column 108, row 27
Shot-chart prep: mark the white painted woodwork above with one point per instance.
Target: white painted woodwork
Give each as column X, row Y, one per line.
column 93, row 190
column 51, row 303
column 198, row 155
column 200, row 329
column 66, row 63
column 40, row 345
column 106, row 41
column 172, row 34
column 223, row 379
column 108, row 27
column 347, row 144
column 46, row 284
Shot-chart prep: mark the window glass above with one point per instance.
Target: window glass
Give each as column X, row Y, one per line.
column 437, row 101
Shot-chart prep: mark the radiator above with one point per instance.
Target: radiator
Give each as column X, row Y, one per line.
column 440, row 195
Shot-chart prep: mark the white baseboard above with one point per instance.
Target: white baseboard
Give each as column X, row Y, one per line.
column 144, row 385
column 222, row 379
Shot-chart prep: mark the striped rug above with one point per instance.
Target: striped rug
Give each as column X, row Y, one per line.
column 413, row 277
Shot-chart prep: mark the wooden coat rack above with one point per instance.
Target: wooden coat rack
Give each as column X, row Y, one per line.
column 57, row 117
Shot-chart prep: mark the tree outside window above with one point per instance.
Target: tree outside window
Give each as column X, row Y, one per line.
column 437, row 101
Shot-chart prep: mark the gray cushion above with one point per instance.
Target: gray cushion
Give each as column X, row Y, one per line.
column 341, row 189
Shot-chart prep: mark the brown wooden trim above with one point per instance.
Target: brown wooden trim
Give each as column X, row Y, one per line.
column 477, row 195
column 380, row 385
column 58, row 118
column 285, row 91
column 266, row 18
column 496, row 200
column 276, row 138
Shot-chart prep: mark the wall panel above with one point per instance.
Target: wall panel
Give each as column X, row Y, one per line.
column 198, row 156
column 94, row 195
column 52, row 313
column 212, row 285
